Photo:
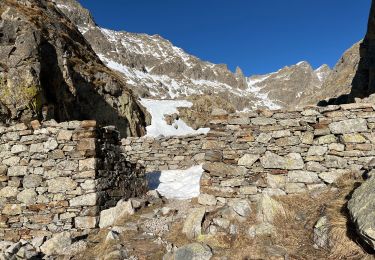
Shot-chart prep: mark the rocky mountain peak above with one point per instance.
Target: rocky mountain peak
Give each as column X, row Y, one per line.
column 76, row 13
column 290, row 84
column 153, row 67
column 323, row 72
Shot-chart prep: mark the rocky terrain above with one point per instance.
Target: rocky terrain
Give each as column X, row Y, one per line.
column 153, row 67
column 340, row 80
column 258, row 184
column 49, row 71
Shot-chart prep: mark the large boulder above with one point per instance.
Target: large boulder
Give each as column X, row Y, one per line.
column 268, row 209
column 111, row 216
column 193, row 223
column 48, row 70
column 361, row 209
column 57, row 244
column 194, row 251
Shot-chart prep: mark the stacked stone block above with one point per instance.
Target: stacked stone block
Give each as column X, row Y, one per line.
column 56, row 177
column 165, row 153
column 286, row 152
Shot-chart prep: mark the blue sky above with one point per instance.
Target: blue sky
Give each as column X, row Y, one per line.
column 260, row 36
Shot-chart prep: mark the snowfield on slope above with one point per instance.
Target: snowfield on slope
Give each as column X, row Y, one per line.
column 177, row 184
column 159, row 127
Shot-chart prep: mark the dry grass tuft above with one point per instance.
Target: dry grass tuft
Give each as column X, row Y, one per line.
column 295, row 230
column 344, row 241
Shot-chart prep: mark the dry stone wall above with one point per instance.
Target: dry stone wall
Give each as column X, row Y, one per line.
column 56, row 177
column 267, row 152
column 279, row 153
column 166, row 153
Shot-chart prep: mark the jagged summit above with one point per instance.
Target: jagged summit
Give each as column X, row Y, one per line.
column 153, row 67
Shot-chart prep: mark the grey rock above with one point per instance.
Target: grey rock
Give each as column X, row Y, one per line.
column 233, row 229
column 111, row 102
column 221, row 222
column 317, row 150
column 303, row 177
column 335, row 162
column 32, row 181
column 36, row 242
column 241, row 207
column 112, row 235
column 19, row 148
column 263, row 121
column 8, row 192
column 292, row 161
column 195, row 251
column 292, row 188
column 17, row 171
column 56, row 244
column 315, row 167
column 75, row 248
column 12, row 161
column 349, row 126
column 84, row 200
column 321, row 233
column 268, row 209
column 207, row 199
column 234, row 182
column 248, row 159
column 50, row 145
column 193, row 224
column 109, row 217
column 61, row 184
column 361, row 211
column 331, row 176
column 27, row 196
column 261, row 229
column 263, row 138
column 281, row 133
column 327, row 139
column 213, row 156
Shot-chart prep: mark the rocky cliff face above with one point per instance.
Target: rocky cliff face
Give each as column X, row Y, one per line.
column 290, row 85
column 153, row 67
column 364, row 80
column 49, row 70
column 353, row 77
column 339, row 81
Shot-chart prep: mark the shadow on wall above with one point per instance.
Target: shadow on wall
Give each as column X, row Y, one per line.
column 85, row 104
column 363, row 84
column 153, row 179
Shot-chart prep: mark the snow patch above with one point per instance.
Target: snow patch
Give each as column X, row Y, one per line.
column 177, row 184
column 256, row 90
column 62, row 6
column 159, row 127
column 322, row 72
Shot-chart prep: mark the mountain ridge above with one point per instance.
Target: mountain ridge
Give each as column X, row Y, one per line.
column 154, row 68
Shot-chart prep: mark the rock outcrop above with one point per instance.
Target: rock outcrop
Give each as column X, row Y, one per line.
column 361, row 209
column 339, row 81
column 364, row 80
column 353, row 77
column 49, row 71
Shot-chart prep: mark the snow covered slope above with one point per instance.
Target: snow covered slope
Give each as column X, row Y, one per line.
column 154, row 68
column 159, row 127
